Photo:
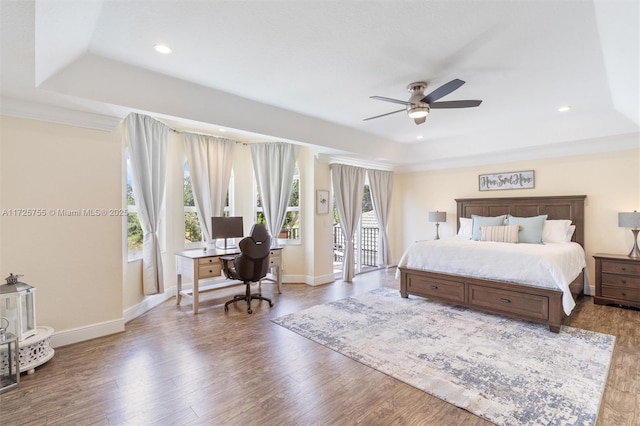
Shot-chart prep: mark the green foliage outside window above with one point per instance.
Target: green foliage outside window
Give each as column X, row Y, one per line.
column 134, row 230
column 192, row 231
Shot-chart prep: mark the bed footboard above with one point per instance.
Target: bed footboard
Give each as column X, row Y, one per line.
column 510, row 299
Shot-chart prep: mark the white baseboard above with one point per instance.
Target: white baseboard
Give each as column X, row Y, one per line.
column 148, row 303
column 76, row 335
column 309, row 280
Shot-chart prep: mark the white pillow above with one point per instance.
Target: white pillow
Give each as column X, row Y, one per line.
column 570, row 232
column 465, row 227
column 555, row 231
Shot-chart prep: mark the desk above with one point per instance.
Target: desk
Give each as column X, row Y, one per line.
column 206, row 264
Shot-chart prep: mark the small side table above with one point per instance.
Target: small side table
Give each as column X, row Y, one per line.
column 9, row 362
column 617, row 280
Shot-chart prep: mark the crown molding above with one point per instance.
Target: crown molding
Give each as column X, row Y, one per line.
column 567, row 149
column 54, row 114
column 350, row 161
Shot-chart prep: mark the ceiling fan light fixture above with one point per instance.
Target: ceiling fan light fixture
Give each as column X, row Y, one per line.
column 419, row 112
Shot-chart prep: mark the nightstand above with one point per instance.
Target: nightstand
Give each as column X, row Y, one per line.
column 617, row 280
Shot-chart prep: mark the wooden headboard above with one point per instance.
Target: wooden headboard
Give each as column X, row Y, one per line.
column 555, row 207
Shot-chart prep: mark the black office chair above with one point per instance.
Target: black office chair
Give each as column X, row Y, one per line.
column 250, row 266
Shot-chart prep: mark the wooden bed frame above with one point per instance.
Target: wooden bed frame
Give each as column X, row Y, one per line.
column 520, row 301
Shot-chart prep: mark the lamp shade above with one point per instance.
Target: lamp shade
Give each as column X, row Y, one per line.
column 437, row 216
column 628, row 220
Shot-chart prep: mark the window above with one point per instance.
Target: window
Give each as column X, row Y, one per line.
column 291, row 228
column 192, row 231
column 134, row 230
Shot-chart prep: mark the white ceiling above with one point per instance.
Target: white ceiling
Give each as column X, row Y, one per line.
column 304, row 70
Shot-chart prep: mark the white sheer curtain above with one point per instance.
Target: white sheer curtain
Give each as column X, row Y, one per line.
column 147, row 142
column 348, row 187
column 274, row 165
column 210, row 160
column 381, row 187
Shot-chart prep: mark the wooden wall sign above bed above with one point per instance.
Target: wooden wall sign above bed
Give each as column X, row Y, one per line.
column 507, row 180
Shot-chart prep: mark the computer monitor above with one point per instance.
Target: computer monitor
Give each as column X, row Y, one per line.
column 226, row 227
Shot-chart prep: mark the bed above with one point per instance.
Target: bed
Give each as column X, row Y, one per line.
column 527, row 301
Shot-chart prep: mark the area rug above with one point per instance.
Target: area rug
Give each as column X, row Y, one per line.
column 506, row 371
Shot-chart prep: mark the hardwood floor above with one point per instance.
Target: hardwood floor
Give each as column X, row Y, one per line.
column 173, row 368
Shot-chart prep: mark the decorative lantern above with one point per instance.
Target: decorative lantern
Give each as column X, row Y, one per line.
column 17, row 304
column 9, row 358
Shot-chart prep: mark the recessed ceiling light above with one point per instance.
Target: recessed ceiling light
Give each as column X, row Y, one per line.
column 564, row 108
column 222, row 130
column 161, row 48
column 419, row 137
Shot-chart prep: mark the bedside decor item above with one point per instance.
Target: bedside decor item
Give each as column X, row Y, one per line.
column 437, row 217
column 322, row 201
column 507, row 180
column 18, row 305
column 631, row 220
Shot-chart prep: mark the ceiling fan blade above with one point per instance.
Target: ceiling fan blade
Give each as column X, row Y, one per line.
column 382, row 115
column 396, row 101
column 455, row 104
column 443, row 90
column 420, row 120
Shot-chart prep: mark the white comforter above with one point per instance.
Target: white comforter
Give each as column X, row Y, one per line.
column 543, row 265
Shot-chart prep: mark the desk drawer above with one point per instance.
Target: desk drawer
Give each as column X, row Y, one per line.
column 209, row 271
column 441, row 289
column 274, row 258
column 624, row 268
column 209, row 267
column 533, row 306
column 209, row 261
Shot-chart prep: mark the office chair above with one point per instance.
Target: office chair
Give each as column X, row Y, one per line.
column 250, row 266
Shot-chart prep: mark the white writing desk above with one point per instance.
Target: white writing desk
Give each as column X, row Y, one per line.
column 206, row 265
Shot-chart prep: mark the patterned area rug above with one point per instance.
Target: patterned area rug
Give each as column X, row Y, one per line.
column 505, row 371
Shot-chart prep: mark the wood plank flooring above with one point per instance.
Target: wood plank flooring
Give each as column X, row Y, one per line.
column 173, row 368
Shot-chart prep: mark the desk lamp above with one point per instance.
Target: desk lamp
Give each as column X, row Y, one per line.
column 631, row 220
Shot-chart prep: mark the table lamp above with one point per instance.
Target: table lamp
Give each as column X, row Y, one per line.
column 631, row 220
column 437, row 217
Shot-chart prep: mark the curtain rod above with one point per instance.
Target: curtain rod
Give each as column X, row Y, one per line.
column 171, row 129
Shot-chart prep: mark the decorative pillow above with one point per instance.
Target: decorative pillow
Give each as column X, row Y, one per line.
column 465, row 227
column 501, row 234
column 555, row 231
column 530, row 228
column 478, row 221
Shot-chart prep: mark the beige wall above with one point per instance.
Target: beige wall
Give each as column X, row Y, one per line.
column 611, row 182
column 74, row 262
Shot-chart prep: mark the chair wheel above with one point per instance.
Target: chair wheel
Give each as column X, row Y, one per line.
column 270, row 305
column 249, row 311
column 226, row 309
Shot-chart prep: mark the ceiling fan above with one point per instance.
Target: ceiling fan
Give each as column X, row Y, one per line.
column 418, row 106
